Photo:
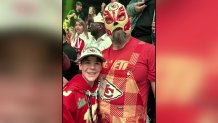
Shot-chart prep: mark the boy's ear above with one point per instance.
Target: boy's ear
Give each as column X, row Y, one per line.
column 80, row 66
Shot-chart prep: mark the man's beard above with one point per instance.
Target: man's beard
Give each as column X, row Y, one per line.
column 118, row 36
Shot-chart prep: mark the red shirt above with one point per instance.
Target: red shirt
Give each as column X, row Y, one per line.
column 144, row 70
column 137, row 61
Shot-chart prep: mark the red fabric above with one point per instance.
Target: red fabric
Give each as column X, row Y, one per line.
column 80, row 44
column 145, row 66
column 67, row 118
column 75, row 89
column 143, row 70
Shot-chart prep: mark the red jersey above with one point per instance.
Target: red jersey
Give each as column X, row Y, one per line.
column 75, row 101
column 128, row 73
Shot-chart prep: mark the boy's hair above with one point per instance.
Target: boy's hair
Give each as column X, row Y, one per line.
column 85, row 58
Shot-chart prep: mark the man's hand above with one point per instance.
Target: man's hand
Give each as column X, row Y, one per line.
column 153, row 27
column 140, row 6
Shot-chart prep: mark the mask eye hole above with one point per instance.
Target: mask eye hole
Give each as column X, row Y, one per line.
column 121, row 17
column 109, row 20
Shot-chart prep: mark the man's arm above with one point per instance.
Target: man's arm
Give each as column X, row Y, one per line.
column 151, row 66
column 134, row 7
column 131, row 8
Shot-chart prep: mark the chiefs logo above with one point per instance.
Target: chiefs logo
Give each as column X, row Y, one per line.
column 111, row 92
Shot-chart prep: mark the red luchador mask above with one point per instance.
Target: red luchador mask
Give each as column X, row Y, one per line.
column 115, row 16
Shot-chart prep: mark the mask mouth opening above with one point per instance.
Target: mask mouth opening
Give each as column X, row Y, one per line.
column 118, row 29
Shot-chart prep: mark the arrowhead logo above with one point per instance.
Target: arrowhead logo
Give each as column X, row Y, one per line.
column 112, row 92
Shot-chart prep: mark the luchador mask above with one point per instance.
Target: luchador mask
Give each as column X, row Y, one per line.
column 115, row 16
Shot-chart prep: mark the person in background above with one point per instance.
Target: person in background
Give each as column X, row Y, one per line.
column 69, row 33
column 71, row 54
column 91, row 15
column 80, row 93
column 72, row 16
column 97, row 29
column 81, row 37
column 142, row 13
column 68, row 23
column 66, row 66
column 128, row 72
column 78, row 12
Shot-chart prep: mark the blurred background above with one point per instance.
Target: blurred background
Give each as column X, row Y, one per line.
column 187, row 62
column 30, row 61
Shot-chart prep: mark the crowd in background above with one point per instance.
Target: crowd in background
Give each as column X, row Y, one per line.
column 76, row 25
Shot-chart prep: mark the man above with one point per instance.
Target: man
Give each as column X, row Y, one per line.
column 97, row 29
column 79, row 13
column 127, row 73
column 72, row 16
column 30, row 65
column 142, row 14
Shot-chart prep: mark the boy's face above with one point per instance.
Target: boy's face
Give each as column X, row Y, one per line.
column 30, row 81
column 90, row 68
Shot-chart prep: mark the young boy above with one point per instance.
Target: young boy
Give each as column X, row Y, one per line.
column 80, row 93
